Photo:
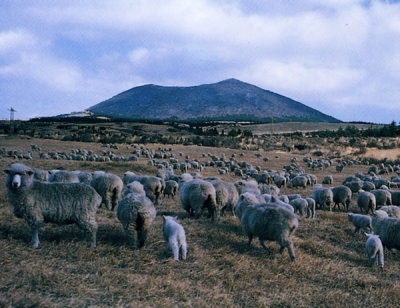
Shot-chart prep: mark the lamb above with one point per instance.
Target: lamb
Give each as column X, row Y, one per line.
column 175, row 237
column 366, row 201
column 374, row 249
column 63, row 176
column 341, row 195
column 137, row 214
column 134, row 187
column 360, row 221
column 60, row 203
column 171, row 188
column 391, row 210
column 388, row 229
column 310, row 208
column 109, row 186
column 195, row 195
column 269, row 222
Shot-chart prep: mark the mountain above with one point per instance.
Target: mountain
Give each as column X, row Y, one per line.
column 228, row 100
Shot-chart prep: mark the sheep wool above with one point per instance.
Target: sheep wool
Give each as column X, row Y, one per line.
column 374, row 249
column 60, row 203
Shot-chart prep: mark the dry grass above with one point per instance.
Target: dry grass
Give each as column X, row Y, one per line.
column 331, row 269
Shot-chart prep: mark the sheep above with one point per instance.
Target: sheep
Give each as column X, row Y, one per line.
column 310, row 208
column 60, row 203
column 391, row 210
column 270, row 189
column 355, row 185
column 322, row 196
column 134, row 187
column 367, row 186
column 171, row 188
column 327, row 179
column 246, row 199
column 366, row 201
column 382, row 196
column 137, row 214
column 195, row 195
column 300, row 205
column 341, row 195
column 298, row 181
column 109, row 186
column 269, row 222
column 360, row 221
column 226, row 195
column 153, row 186
column 279, row 180
column 41, row 175
column 374, row 248
column 395, row 197
column 63, row 176
column 174, row 236
column 388, row 229
column 84, row 176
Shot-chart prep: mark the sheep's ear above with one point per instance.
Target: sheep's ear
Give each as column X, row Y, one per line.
column 7, row 171
column 30, row 172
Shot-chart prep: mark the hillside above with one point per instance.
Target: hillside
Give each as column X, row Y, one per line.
column 228, row 100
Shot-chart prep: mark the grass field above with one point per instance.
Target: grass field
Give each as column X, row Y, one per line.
column 331, row 268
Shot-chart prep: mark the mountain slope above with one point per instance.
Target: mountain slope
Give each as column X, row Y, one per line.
column 227, row 100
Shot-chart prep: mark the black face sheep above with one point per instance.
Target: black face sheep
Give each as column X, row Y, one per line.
column 360, row 221
column 174, row 236
column 366, row 201
column 60, row 203
column 136, row 214
column 269, row 222
column 341, row 195
column 196, row 195
column 374, row 248
column 109, row 186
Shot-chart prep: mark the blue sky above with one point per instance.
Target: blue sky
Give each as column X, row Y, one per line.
column 341, row 57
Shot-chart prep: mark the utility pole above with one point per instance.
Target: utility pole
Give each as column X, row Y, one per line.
column 12, row 110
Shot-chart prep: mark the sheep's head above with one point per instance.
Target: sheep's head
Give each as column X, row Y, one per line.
column 15, row 175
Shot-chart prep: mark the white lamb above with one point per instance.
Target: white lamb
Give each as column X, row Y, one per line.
column 374, row 250
column 175, row 237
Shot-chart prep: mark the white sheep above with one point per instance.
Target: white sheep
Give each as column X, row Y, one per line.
column 246, row 199
column 388, row 229
column 366, row 201
column 322, row 196
column 391, row 210
column 341, row 195
column 226, row 195
column 195, row 195
column 153, row 186
column 137, row 214
column 171, row 188
column 63, row 176
column 109, row 186
column 374, row 249
column 41, row 175
column 174, row 236
column 299, row 205
column 134, row 187
column 270, row 222
column 60, row 203
column 360, row 221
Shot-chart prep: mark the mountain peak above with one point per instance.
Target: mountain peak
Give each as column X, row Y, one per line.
column 227, row 100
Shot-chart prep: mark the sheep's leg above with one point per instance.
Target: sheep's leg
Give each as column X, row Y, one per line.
column 175, row 249
column 250, row 239
column 142, row 237
column 130, row 235
column 289, row 245
column 35, row 237
column 264, row 244
column 90, row 229
column 184, row 250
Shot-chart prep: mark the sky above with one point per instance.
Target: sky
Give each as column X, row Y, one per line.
column 340, row 57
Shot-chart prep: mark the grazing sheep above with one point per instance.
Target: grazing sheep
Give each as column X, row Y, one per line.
column 262, row 178
column 41, row 175
column 322, row 196
column 382, row 196
column 84, row 176
column 374, row 249
column 269, row 222
column 153, row 186
column 300, row 205
column 360, row 221
column 279, row 180
column 63, row 176
column 367, row 186
column 388, row 229
column 270, row 189
column 134, row 187
column 366, row 201
column 298, row 181
column 226, row 195
column 174, row 236
column 391, row 210
column 341, row 195
column 109, row 186
column 171, row 188
column 137, row 214
column 355, row 185
column 195, row 195
column 60, row 203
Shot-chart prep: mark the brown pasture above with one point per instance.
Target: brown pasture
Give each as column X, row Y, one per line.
column 331, row 268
